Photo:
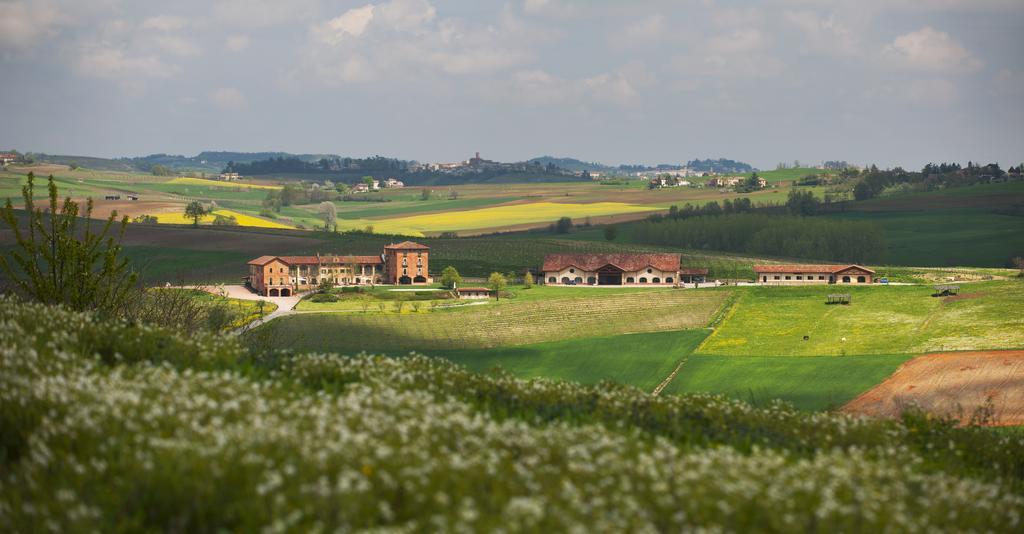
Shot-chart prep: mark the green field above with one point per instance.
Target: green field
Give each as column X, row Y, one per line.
column 881, row 320
column 954, row 236
column 584, row 314
column 641, row 360
column 807, row 382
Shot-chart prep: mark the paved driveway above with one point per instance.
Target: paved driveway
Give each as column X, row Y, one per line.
column 285, row 305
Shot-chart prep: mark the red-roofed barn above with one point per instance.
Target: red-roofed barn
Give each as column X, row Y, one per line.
column 614, row 269
column 813, row 274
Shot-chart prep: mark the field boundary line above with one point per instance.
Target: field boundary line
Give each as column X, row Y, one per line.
column 723, row 314
column 668, row 380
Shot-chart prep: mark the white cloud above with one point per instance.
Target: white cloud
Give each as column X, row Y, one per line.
column 647, row 30
column 930, row 49
column 401, row 39
column 164, row 23
column 561, row 9
column 538, row 87
column 236, row 43
column 824, row 34
column 177, row 46
column 229, row 99
column 114, row 64
column 22, row 24
column 351, row 23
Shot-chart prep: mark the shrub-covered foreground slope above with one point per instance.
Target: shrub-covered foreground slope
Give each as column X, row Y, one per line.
column 115, row 427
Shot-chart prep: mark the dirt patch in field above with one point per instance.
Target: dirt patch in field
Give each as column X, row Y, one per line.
column 952, row 384
column 133, row 208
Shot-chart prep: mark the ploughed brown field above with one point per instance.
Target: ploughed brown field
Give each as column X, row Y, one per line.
column 952, row 383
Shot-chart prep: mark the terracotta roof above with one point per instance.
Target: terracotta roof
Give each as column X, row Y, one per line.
column 407, row 245
column 626, row 262
column 461, row 289
column 693, row 270
column 807, row 268
column 314, row 260
column 262, row 260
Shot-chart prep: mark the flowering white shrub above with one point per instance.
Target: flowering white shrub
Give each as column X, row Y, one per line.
column 153, row 432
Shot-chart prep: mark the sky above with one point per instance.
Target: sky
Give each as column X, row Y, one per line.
column 890, row 82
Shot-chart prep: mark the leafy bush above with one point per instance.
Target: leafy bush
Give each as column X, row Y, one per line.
column 108, row 426
column 323, row 297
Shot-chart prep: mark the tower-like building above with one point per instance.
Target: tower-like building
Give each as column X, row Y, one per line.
column 407, row 263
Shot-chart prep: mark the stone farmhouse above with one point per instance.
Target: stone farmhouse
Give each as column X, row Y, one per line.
column 813, row 274
column 655, row 269
column 403, row 263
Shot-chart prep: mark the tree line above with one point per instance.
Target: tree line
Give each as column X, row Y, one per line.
column 874, row 181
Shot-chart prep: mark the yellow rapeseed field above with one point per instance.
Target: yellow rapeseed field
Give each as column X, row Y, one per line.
column 243, row 219
column 498, row 216
column 215, row 183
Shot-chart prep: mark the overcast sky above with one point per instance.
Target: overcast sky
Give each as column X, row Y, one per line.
column 893, row 82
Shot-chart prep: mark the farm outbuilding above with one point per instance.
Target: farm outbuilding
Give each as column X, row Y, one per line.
column 473, row 292
column 656, row 269
column 812, row 274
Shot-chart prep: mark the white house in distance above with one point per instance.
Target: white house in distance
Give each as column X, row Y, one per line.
column 813, row 274
column 230, row 176
column 654, row 269
column 475, row 293
column 393, row 183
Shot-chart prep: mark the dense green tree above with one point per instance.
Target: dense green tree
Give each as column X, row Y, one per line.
column 160, row 170
column 58, row 257
column 195, row 211
column 527, row 280
column 329, row 214
column 611, row 232
column 450, row 277
column 497, row 283
column 563, row 226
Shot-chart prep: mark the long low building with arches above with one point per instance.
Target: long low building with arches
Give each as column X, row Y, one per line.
column 813, row 274
column 651, row 269
column 403, row 263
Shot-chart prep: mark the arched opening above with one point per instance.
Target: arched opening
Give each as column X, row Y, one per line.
column 286, row 292
column 846, row 279
column 552, row 280
column 420, row 279
column 630, row 280
column 565, row 280
column 668, row 280
column 578, row 280
column 274, row 293
column 591, row 280
column 860, row 280
column 656, row 280
column 405, row 280
column 643, row 279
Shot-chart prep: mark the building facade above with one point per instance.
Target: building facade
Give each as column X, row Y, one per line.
column 652, row 269
column 813, row 274
column 284, row 276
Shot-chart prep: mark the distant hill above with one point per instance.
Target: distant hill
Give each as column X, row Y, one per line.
column 572, row 164
column 720, row 165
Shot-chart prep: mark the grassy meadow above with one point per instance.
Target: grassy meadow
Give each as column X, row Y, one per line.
column 641, row 360
column 880, row 320
column 584, row 314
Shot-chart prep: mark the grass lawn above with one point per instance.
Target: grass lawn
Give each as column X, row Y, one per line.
column 501, row 324
column 641, row 360
column 881, row 320
column 808, row 382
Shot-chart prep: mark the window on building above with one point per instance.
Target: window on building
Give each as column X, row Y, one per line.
column 860, row 279
column 776, row 277
column 552, row 280
column 643, row 279
column 798, row 277
column 788, row 277
column 656, row 280
column 630, row 280
column 565, row 280
column 591, row 280
column 821, row 277
column 668, row 280
column 846, row 279
column 579, row 280
column 572, row 270
column 649, row 271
